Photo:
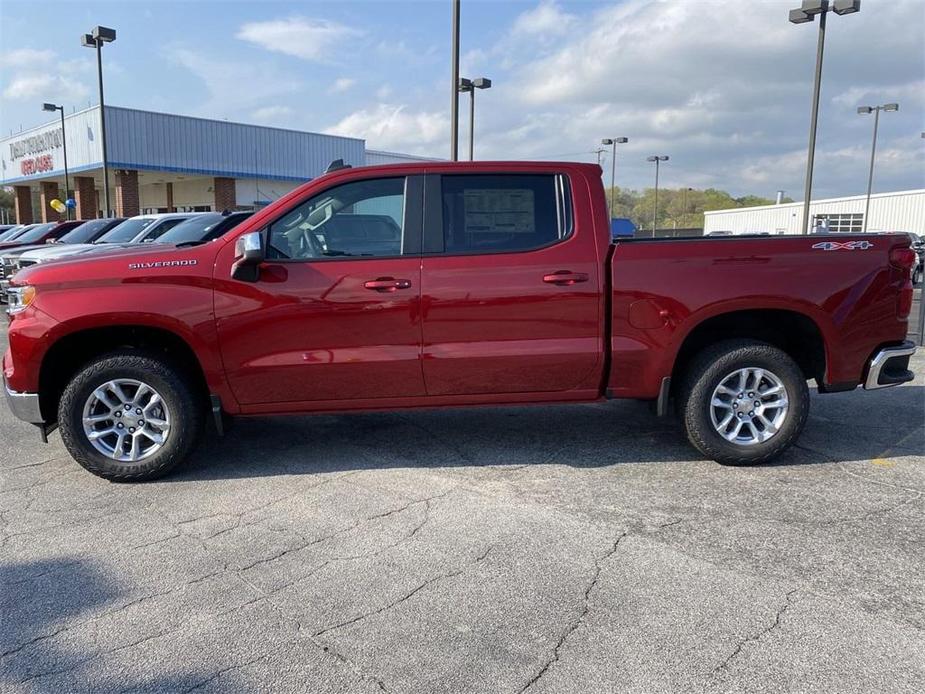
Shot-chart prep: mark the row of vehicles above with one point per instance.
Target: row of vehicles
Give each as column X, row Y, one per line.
column 438, row 284
column 25, row 245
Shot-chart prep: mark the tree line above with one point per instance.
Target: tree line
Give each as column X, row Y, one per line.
column 678, row 208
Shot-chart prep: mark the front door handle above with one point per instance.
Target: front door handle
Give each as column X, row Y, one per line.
column 387, row 284
column 565, row 278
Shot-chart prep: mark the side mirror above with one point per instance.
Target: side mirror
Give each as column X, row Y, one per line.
column 249, row 253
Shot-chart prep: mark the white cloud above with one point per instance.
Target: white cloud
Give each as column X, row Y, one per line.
column 342, row 84
column 37, row 74
column 302, row 37
column 223, row 80
column 272, row 114
column 27, row 57
column 394, row 127
column 545, row 18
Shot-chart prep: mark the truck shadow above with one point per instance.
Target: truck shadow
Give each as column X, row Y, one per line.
column 48, row 634
column 842, row 427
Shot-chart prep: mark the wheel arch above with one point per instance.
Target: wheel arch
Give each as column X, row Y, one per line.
column 72, row 351
column 794, row 332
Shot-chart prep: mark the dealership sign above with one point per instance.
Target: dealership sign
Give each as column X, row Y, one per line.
column 36, row 152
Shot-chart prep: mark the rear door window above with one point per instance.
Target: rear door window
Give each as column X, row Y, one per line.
column 491, row 213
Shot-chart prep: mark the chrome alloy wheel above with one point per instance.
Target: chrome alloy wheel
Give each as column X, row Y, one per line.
column 749, row 406
column 126, row 420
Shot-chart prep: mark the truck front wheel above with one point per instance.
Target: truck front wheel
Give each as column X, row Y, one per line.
column 743, row 402
column 129, row 417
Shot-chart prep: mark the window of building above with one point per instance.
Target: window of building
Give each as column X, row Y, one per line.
column 504, row 212
column 840, row 223
column 361, row 218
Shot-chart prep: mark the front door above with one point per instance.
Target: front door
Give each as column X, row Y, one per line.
column 335, row 315
column 511, row 287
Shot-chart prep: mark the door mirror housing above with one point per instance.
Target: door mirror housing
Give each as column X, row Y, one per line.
column 249, row 254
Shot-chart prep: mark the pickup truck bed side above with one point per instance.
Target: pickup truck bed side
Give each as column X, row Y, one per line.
column 663, row 290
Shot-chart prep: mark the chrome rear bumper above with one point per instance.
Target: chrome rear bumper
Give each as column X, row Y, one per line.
column 890, row 367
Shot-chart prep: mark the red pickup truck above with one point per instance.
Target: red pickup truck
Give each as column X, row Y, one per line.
column 445, row 284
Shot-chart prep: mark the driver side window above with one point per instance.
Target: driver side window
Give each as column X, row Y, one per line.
column 360, row 218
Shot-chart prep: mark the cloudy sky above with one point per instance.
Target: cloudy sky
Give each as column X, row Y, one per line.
column 721, row 86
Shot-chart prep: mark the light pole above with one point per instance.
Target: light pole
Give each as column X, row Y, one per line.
column 96, row 39
column 658, row 160
column 803, row 14
column 613, row 142
column 454, row 87
column 466, row 85
column 866, row 110
column 67, row 184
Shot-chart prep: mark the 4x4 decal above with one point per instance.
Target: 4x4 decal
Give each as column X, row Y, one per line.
column 843, row 245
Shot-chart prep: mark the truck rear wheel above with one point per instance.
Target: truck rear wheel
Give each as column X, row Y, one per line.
column 743, row 402
column 129, row 417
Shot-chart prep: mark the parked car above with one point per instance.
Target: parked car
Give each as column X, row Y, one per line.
column 5, row 228
column 81, row 232
column 18, row 230
column 40, row 234
column 443, row 284
column 204, row 227
column 918, row 245
column 140, row 229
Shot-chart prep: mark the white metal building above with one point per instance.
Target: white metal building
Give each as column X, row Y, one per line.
column 900, row 211
column 161, row 162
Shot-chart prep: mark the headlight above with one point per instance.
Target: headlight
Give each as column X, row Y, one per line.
column 19, row 298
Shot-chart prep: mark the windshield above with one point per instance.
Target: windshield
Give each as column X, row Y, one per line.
column 10, row 233
column 85, row 232
column 127, row 231
column 36, row 233
column 202, row 228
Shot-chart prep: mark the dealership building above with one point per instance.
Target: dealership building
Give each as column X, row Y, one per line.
column 900, row 211
column 162, row 162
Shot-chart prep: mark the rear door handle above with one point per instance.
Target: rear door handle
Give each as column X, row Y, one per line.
column 387, row 284
column 565, row 278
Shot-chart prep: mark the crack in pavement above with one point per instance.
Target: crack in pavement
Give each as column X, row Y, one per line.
column 757, row 636
column 221, row 672
column 407, row 596
column 579, row 618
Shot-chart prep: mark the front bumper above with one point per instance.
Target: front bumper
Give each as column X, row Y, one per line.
column 24, row 405
column 890, row 367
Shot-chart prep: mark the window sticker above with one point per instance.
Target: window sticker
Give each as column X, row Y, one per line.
column 494, row 211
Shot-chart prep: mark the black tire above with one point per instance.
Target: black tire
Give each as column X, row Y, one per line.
column 709, row 368
column 174, row 387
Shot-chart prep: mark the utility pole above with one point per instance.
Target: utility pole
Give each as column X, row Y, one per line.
column 454, row 97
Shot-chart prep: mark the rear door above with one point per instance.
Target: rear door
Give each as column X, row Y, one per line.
column 511, row 286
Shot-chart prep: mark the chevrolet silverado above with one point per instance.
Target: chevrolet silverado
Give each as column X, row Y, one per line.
column 447, row 284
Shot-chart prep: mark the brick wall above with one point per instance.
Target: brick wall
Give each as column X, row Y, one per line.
column 128, row 203
column 225, row 197
column 23, row 200
column 48, row 192
column 85, row 196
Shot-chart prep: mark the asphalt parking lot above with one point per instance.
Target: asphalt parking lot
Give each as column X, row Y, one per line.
column 544, row 549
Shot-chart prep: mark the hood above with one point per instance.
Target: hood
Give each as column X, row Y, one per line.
column 14, row 252
column 122, row 265
column 48, row 252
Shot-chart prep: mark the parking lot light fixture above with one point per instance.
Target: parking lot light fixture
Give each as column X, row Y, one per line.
column 467, row 85
column 867, row 110
column 96, row 39
column 613, row 142
column 658, row 159
column 67, row 184
column 807, row 13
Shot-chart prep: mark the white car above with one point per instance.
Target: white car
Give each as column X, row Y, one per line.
column 144, row 228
